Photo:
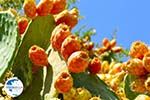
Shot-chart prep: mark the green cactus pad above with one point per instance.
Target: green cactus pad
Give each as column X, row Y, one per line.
column 95, row 85
column 38, row 33
column 9, row 41
column 33, row 91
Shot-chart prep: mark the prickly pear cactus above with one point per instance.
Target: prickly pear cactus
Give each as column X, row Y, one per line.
column 80, row 80
column 38, row 33
column 9, row 41
column 98, row 80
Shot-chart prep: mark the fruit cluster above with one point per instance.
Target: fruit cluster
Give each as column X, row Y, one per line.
column 62, row 40
column 109, row 46
column 46, row 7
column 81, row 56
column 113, row 75
column 79, row 53
column 64, row 19
column 139, row 65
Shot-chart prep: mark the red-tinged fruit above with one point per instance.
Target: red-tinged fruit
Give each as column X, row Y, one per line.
column 44, row 7
column 30, row 8
column 135, row 66
column 95, row 66
column 64, row 83
column 58, row 6
column 106, row 43
column 22, row 25
column 70, row 45
column 78, row 62
column 113, row 43
column 70, row 18
column 38, row 56
column 58, row 36
column 138, row 49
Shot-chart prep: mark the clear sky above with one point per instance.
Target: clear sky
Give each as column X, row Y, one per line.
column 130, row 17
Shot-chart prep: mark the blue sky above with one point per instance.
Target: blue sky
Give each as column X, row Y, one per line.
column 131, row 18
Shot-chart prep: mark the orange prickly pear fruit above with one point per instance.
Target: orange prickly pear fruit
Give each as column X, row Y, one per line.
column 106, row 43
column 44, row 7
column 59, row 34
column 70, row 45
column 138, row 49
column 70, row 18
column 113, row 43
column 135, row 66
column 64, row 83
column 78, row 62
column 58, row 6
column 30, row 8
column 38, row 56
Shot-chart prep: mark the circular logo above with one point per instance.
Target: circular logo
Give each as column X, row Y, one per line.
column 13, row 87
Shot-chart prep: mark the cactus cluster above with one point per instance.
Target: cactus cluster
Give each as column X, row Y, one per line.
column 55, row 64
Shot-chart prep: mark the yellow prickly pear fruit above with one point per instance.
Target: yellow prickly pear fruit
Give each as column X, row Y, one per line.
column 142, row 97
column 105, row 67
column 70, row 95
column 83, row 94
